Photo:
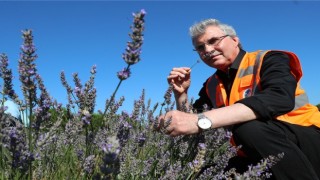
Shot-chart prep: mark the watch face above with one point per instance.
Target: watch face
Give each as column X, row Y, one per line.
column 204, row 123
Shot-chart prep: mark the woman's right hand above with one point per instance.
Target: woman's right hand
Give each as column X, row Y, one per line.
column 180, row 79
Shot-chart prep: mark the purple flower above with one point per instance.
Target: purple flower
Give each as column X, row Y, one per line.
column 77, row 90
column 4, row 108
column 93, row 69
column 27, row 68
column 89, row 164
column 133, row 49
column 143, row 11
column 168, row 94
column 124, row 74
column 86, row 117
column 6, row 75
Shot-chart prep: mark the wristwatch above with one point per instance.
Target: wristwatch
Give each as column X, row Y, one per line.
column 204, row 122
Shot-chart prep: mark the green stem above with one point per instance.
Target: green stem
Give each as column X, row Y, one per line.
column 113, row 95
column 87, row 142
column 30, row 135
column 1, row 150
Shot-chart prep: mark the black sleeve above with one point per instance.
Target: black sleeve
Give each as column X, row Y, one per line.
column 278, row 87
column 203, row 100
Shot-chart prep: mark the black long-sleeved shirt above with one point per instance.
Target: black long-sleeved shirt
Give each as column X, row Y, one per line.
column 277, row 83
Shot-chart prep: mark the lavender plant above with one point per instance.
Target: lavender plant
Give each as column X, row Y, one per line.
column 6, row 75
column 72, row 141
column 132, row 53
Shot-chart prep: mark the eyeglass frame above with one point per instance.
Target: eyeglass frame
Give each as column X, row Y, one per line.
column 216, row 42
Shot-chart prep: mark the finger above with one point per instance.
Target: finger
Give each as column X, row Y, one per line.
column 175, row 75
column 169, row 130
column 159, row 123
column 180, row 71
column 167, row 123
column 175, row 133
column 176, row 87
column 178, row 78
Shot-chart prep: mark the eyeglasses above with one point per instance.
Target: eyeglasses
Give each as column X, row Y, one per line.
column 214, row 41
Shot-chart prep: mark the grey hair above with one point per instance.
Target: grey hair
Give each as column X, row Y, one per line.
column 199, row 28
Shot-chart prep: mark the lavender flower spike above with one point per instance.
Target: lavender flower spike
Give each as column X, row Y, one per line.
column 6, row 75
column 133, row 50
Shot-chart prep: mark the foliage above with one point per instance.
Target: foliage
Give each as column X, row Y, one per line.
column 74, row 142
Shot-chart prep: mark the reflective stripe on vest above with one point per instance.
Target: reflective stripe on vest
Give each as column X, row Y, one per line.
column 252, row 70
column 219, row 99
column 301, row 100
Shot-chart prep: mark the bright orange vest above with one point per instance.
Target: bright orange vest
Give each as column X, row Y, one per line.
column 247, row 82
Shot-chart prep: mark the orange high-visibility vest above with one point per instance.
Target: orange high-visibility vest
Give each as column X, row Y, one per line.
column 247, row 83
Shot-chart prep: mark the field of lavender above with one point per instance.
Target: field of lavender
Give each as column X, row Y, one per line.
column 73, row 141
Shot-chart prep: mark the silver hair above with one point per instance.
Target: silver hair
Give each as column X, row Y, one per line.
column 199, row 28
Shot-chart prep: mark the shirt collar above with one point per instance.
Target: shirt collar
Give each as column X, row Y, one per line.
column 237, row 61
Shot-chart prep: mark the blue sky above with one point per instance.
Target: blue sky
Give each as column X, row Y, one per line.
column 72, row 36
